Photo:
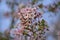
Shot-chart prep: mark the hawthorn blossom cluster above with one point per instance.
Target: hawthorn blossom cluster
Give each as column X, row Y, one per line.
column 28, row 15
column 30, row 23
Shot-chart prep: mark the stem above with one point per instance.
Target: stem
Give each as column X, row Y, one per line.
column 25, row 37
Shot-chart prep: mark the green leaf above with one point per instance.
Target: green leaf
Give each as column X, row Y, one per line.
column 34, row 34
column 2, row 38
column 52, row 9
column 24, row 33
column 40, row 6
column 34, row 1
column 43, row 22
column 59, row 3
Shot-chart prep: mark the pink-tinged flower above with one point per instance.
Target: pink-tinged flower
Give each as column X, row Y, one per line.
column 15, row 32
column 28, row 14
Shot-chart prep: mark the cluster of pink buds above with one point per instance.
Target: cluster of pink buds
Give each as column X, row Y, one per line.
column 27, row 15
